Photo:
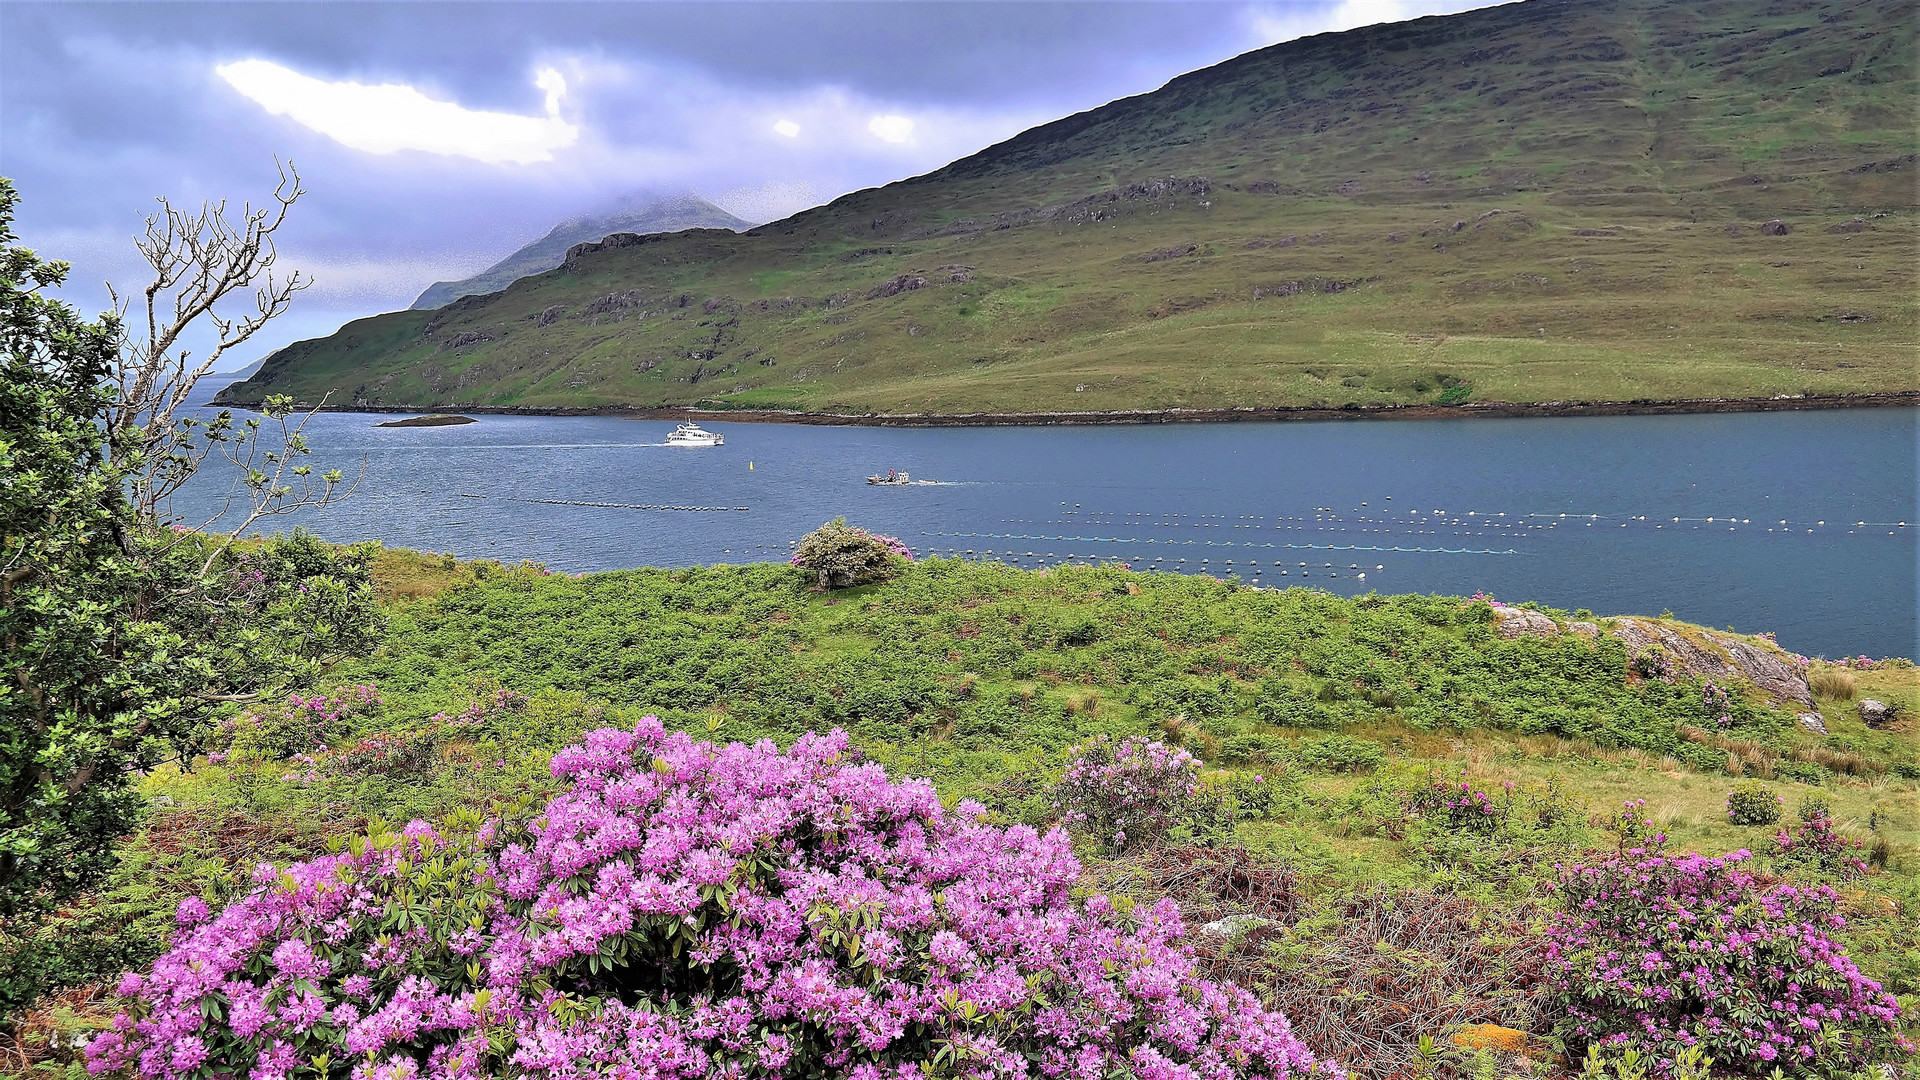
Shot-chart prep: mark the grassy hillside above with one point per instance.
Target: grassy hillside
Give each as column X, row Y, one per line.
column 1543, row 201
column 981, row 677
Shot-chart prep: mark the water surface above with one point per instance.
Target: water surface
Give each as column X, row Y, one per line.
column 1748, row 520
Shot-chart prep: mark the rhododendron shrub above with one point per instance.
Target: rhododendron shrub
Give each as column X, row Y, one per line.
column 841, row 555
column 1129, row 792
column 692, row 911
column 1657, row 954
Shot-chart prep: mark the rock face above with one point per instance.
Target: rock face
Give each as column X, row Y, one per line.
column 1876, row 713
column 1728, row 659
column 1519, row 622
column 1813, row 722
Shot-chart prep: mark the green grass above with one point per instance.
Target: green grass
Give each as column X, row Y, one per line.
column 1611, row 162
column 980, row 677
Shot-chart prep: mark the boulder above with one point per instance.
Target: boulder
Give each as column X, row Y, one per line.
column 1876, row 713
column 1851, row 225
column 1234, row 925
column 1776, row 227
column 1813, row 722
column 1512, row 622
column 1722, row 659
column 1584, row 629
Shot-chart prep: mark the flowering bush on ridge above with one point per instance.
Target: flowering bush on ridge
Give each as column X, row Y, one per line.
column 1658, row 954
column 692, row 911
column 842, row 556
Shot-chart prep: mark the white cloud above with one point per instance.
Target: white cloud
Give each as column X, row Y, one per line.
column 1272, row 23
column 391, row 117
column 786, row 129
column 891, row 127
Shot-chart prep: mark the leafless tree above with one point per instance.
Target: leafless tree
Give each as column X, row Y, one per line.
column 199, row 259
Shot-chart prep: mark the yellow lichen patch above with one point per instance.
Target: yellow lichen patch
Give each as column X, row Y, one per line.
column 1491, row 1037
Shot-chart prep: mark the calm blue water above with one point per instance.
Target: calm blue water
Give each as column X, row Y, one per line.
column 1576, row 513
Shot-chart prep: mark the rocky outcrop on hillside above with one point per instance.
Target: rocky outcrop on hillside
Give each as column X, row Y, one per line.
column 1715, row 657
column 1722, row 658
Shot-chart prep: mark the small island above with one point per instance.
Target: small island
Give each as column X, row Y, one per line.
column 434, row 420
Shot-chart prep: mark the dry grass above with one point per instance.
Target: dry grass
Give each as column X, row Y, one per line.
column 1833, row 684
column 1396, row 966
column 43, row 1036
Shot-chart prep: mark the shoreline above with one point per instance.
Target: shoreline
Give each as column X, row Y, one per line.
column 1467, row 411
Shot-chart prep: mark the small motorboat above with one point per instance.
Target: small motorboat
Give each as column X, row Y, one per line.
column 694, row 435
column 891, row 477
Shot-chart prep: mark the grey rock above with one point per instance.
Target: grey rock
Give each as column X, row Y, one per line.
column 1234, row 925
column 1776, row 227
column 1876, row 713
column 1723, row 659
column 1519, row 622
column 1584, row 629
column 1813, row 722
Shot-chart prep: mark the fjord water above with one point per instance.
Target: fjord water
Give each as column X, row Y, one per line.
column 1573, row 513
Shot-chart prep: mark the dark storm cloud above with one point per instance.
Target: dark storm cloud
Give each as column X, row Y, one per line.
column 763, row 107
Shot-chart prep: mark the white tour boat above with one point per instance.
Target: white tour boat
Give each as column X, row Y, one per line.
column 694, row 435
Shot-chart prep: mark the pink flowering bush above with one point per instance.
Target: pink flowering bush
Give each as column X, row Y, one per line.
column 1817, row 846
column 1633, row 832
column 301, row 724
column 1459, row 806
column 390, row 753
column 689, row 911
column 1658, row 954
column 1129, row 792
column 842, row 556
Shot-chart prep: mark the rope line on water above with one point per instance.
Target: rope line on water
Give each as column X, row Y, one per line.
column 605, row 505
column 1210, row 543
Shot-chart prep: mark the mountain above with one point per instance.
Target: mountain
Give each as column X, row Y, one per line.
column 1546, row 201
column 639, row 214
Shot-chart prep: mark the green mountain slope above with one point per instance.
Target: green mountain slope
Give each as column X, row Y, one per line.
column 640, row 215
column 1550, row 200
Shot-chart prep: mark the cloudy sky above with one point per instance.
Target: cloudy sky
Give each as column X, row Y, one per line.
column 434, row 138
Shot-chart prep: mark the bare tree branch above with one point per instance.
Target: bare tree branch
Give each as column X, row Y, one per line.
column 198, row 260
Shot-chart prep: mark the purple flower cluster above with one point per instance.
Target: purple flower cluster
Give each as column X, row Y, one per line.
column 304, row 723
column 1818, row 846
column 390, row 753
column 1658, row 954
column 1653, row 663
column 484, row 709
column 689, row 911
column 1459, row 807
column 1859, row 663
column 1634, row 834
column 325, row 709
column 1128, row 792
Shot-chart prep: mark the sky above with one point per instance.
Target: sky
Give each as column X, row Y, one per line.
column 434, row 138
